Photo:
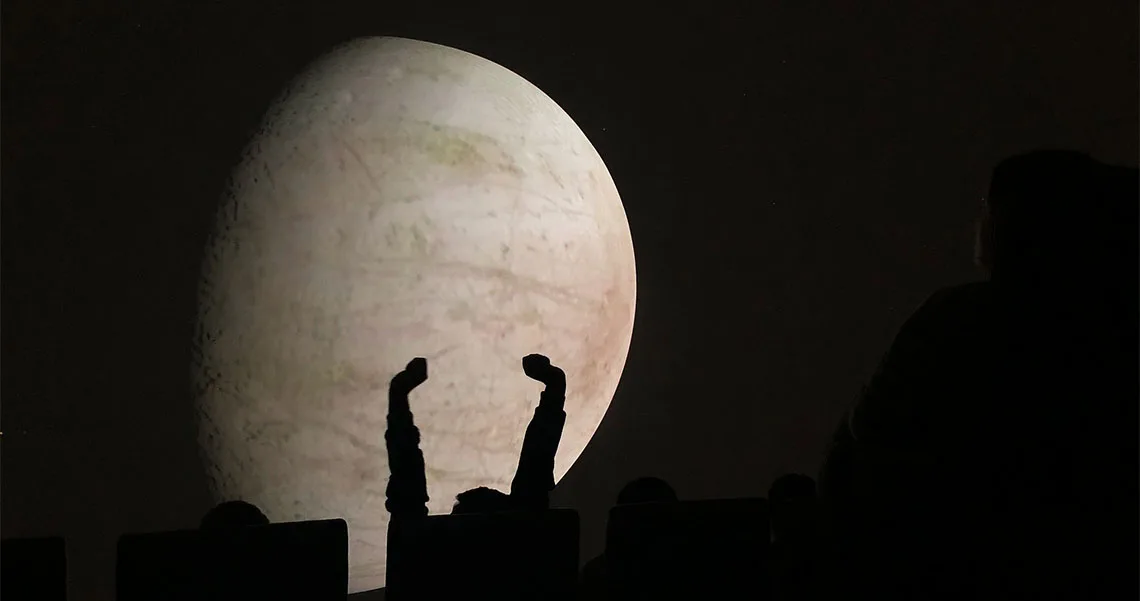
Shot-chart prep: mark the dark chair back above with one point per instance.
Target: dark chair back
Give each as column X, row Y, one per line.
column 688, row 550
column 508, row 555
column 292, row 560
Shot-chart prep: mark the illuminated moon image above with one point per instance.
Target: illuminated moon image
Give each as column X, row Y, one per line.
column 404, row 199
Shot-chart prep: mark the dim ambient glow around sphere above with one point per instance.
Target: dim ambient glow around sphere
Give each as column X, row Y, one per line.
column 404, row 199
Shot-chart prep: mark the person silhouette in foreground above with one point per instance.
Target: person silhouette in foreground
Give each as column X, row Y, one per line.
column 534, row 478
column 795, row 530
column 232, row 514
column 646, row 489
column 988, row 455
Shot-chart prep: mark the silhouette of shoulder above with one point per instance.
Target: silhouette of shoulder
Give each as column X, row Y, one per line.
column 938, row 358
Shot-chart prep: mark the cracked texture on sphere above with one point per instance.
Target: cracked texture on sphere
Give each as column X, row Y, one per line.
column 404, row 199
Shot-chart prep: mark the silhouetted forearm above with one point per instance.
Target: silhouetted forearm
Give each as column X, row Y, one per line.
column 534, row 478
column 407, row 485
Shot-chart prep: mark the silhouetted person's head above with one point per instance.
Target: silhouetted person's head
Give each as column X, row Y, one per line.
column 1057, row 215
column 792, row 504
column 481, row 500
column 646, row 490
column 233, row 514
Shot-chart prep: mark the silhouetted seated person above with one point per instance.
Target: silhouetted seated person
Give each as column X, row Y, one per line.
column 220, row 525
column 646, row 489
column 795, row 524
column 967, row 467
column 534, row 479
column 233, row 514
column 482, row 500
column 541, row 545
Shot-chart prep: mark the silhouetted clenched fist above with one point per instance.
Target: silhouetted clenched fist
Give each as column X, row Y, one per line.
column 414, row 374
column 538, row 367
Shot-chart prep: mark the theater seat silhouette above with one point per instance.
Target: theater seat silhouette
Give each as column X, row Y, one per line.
column 508, row 555
column 688, row 550
column 34, row 569
column 290, row 560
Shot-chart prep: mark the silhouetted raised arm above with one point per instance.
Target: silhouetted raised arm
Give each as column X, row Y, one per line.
column 407, row 485
column 534, row 478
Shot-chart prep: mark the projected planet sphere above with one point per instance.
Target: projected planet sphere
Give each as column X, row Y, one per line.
column 404, row 199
